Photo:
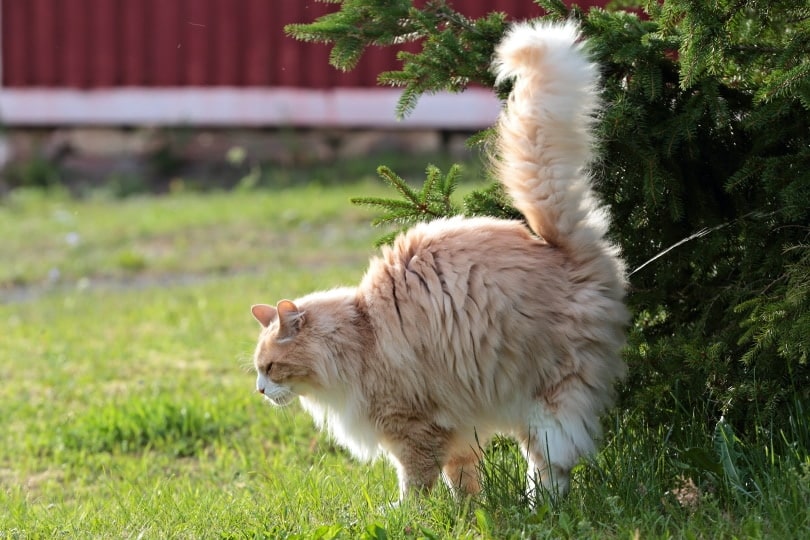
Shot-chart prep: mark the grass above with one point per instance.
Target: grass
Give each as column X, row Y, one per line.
column 59, row 240
column 127, row 403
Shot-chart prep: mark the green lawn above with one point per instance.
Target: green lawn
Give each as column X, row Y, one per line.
column 127, row 405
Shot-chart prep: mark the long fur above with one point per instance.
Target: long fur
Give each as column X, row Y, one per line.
column 468, row 327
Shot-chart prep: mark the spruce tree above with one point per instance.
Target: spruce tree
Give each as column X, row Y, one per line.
column 704, row 161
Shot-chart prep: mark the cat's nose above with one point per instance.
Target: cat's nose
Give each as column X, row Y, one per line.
column 260, row 390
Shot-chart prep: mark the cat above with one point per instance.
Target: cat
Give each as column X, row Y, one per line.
column 469, row 327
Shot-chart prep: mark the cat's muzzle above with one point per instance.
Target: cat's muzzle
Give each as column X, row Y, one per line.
column 280, row 397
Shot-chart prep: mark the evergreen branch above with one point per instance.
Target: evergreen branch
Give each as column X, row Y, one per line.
column 380, row 202
column 432, row 174
column 783, row 84
column 430, row 202
column 555, row 8
column 357, row 25
column 386, row 239
column 455, row 19
column 448, row 187
column 705, row 120
column 480, row 138
column 490, row 201
column 394, row 180
column 455, row 49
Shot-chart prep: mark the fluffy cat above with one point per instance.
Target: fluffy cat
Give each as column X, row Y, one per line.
column 468, row 327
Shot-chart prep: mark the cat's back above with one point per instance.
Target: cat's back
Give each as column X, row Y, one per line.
column 439, row 256
column 472, row 313
column 453, row 278
column 463, row 236
column 458, row 308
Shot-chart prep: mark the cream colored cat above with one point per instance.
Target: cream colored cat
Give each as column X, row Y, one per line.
column 465, row 328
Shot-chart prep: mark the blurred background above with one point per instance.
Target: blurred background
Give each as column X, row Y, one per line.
column 146, row 91
column 164, row 164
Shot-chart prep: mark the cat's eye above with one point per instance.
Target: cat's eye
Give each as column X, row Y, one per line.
column 269, row 367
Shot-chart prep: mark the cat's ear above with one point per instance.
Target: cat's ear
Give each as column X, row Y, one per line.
column 264, row 314
column 290, row 319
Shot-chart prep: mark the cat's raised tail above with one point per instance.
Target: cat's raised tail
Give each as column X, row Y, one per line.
column 545, row 134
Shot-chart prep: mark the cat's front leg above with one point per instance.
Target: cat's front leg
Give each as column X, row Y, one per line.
column 417, row 471
column 418, row 453
column 460, row 473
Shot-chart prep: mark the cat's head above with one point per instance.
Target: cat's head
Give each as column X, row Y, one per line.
column 282, row 360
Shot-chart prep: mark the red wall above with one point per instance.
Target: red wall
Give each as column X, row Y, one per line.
column 160, row 43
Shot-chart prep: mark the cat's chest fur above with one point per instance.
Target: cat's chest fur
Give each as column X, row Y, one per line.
column 345, row 421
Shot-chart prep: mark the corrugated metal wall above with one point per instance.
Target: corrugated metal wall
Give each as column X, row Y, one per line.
column 171, row 43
